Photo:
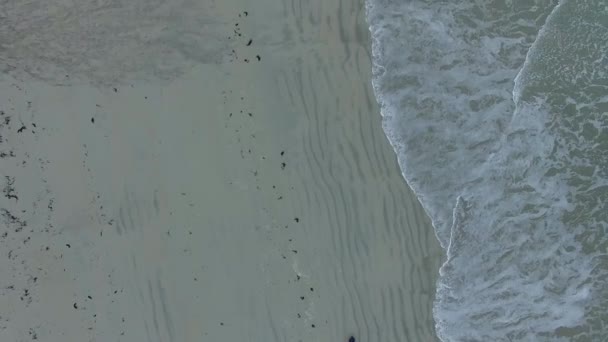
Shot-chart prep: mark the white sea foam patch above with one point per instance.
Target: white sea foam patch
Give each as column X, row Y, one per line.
column 515, row 270
column 527, row 241
column 527, row 254
column 443, row 76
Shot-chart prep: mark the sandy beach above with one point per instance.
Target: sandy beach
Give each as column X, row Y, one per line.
column 252, row 199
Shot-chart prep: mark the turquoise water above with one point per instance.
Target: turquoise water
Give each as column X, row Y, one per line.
column 498, row 113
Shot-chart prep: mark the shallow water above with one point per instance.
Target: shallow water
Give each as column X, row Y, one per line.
column 498, row 114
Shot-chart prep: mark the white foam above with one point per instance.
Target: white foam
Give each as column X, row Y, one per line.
column 503, row 160
column 444, row 89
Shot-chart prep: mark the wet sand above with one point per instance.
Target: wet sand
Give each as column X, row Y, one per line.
column 253, row 200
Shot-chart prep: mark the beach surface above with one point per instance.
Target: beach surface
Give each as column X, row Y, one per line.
column 252, row 198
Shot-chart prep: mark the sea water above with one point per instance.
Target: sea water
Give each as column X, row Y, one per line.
column 498, row 113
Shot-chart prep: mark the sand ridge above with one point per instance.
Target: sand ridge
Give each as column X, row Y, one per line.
column 255, row 199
